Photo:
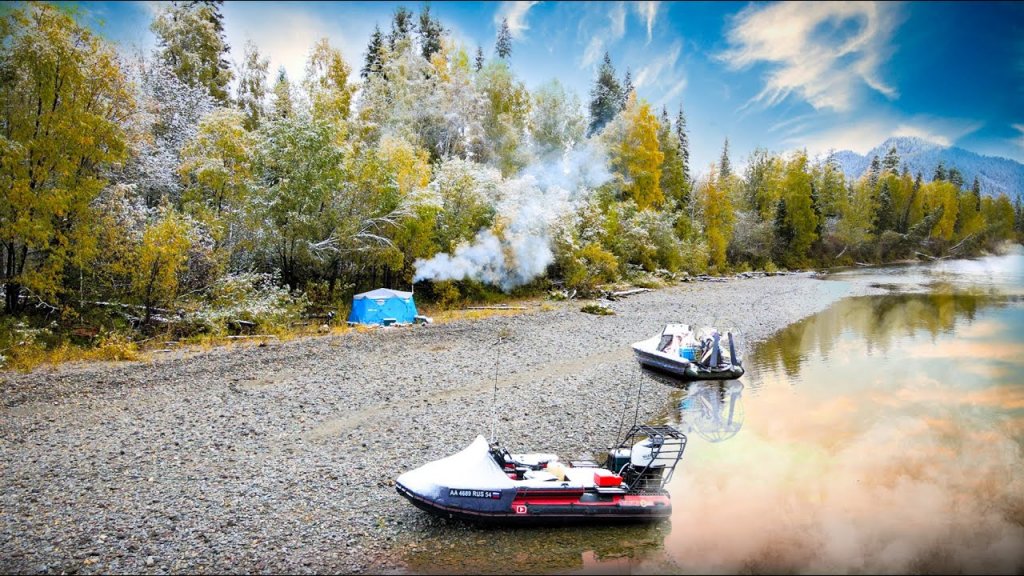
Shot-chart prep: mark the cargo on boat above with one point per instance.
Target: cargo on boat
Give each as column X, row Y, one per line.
column 690, row 355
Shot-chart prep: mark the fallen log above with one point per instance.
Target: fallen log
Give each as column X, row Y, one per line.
column 244, row 336
column 496, row 308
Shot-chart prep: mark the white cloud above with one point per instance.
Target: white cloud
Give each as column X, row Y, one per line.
column 862, row 134
column 286, row 34
column 648, row 11
column 823, row 52
column 516, row 14
column 653, row 72
column 1019, row 140
column 602, row 37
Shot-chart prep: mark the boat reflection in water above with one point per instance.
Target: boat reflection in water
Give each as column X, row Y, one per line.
column 712, row 410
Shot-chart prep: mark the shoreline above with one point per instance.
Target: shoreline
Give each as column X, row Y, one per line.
column 282, row 458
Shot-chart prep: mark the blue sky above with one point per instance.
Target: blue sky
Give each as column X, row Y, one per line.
column 780, row 76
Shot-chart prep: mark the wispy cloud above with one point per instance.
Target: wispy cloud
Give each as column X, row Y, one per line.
column 863, row 134
column 648, row 11
column 602, row 37
column 516, row 14
column 1019, row 140
column 652, row 72
column 823, row 52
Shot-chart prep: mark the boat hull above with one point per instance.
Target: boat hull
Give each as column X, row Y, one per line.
column 685, row 370
column 546, row 507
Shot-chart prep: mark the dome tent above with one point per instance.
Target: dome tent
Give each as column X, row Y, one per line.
column 383, row 306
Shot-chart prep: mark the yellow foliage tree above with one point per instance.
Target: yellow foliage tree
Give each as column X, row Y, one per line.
column 636, row 154
column 716, row 207
column 941, row 194
column 326, row 83
column 162, row 256
column 62, row 101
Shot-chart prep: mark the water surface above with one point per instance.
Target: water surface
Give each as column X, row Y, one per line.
column 882, row 435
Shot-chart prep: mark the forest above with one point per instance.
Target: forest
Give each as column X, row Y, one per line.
column 175, row 194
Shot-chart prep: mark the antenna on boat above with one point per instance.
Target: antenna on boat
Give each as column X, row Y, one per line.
column 494, row 398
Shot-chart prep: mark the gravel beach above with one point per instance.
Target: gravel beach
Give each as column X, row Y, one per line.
column 282, row 458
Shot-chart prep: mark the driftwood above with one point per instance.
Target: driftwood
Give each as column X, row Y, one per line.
column 928, row 256
column 496, row 308
column 608, row 295
column 245, row 336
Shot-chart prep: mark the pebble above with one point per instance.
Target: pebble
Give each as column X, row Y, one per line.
column 283, row 458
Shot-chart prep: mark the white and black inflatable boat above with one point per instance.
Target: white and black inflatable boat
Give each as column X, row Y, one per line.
column 690, row 355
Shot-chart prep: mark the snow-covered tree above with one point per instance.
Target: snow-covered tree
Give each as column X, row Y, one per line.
column 252, row 86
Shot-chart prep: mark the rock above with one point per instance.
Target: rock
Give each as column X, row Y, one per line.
column 150, row 561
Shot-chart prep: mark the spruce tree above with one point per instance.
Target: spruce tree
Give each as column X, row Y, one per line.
column 976, row 192
column 627, row 89
column 874, row 171
column 884, row 215
column 431, row 31
column 374, row 56
column 282, row 105
column 478, row 64
column 940, row 172
column 401, row 27
column 892, row 160
column 956, row 178
column 503, row 47
column 684, row 142
column 604, row 97
column 725, row 165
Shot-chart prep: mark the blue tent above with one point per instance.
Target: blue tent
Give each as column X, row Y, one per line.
column 378, row 305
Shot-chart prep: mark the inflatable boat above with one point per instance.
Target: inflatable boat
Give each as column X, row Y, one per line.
column 485, row 483
column 680, row 351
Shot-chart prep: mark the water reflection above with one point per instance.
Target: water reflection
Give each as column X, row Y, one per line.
column 712, row 410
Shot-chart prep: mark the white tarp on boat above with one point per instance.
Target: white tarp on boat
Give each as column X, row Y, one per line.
column 472, row 468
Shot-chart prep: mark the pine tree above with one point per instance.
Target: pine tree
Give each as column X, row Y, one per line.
column 884, row 214
column 431, row 31
column 892, row 160
column 252, row 86
column 627, row 88
column 940, row 172
column 374, row 54
column 976, row 192
column 724, row 164
column 401, row 27
column 191, row 41
column 503, row 47
column 478, row 63
column 604, row 97
column 684, row 142
column 673, row 178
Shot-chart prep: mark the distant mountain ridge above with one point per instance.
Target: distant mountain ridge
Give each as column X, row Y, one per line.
column 995, row 174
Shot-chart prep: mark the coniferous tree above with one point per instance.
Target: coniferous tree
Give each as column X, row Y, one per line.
column 374, row 54
column 478, row 63
column 684, row 142
column 401, row 27
column 892, row 160
column 940, row 172
column 503, row 46
column 627, row 88
column 976, row 192
column 724, row 164
column 884, row 214
column 604, row 97
column 673, row 177
column 955, row 177
column 431, row 31
column 874, row 171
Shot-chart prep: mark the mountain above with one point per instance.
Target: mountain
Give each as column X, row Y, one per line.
column 995, row 174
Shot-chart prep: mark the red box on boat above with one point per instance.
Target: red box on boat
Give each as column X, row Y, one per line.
column 606, row 478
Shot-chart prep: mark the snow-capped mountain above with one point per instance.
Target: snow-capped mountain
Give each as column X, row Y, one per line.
column 995, row 174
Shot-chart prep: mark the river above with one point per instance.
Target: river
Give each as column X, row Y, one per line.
column 882, row 435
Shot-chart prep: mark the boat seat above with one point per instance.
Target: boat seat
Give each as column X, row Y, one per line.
column 541, row 475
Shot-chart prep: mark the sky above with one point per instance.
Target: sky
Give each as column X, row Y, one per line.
column 781, row 76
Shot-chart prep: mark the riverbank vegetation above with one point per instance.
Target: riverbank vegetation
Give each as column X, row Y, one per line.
column 175, row 195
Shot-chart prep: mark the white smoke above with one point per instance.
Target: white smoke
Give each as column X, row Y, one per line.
column 519, row 248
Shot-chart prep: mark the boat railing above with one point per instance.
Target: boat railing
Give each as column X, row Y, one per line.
column 665, row 444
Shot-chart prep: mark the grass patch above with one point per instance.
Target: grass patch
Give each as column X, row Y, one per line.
column 597, row 309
